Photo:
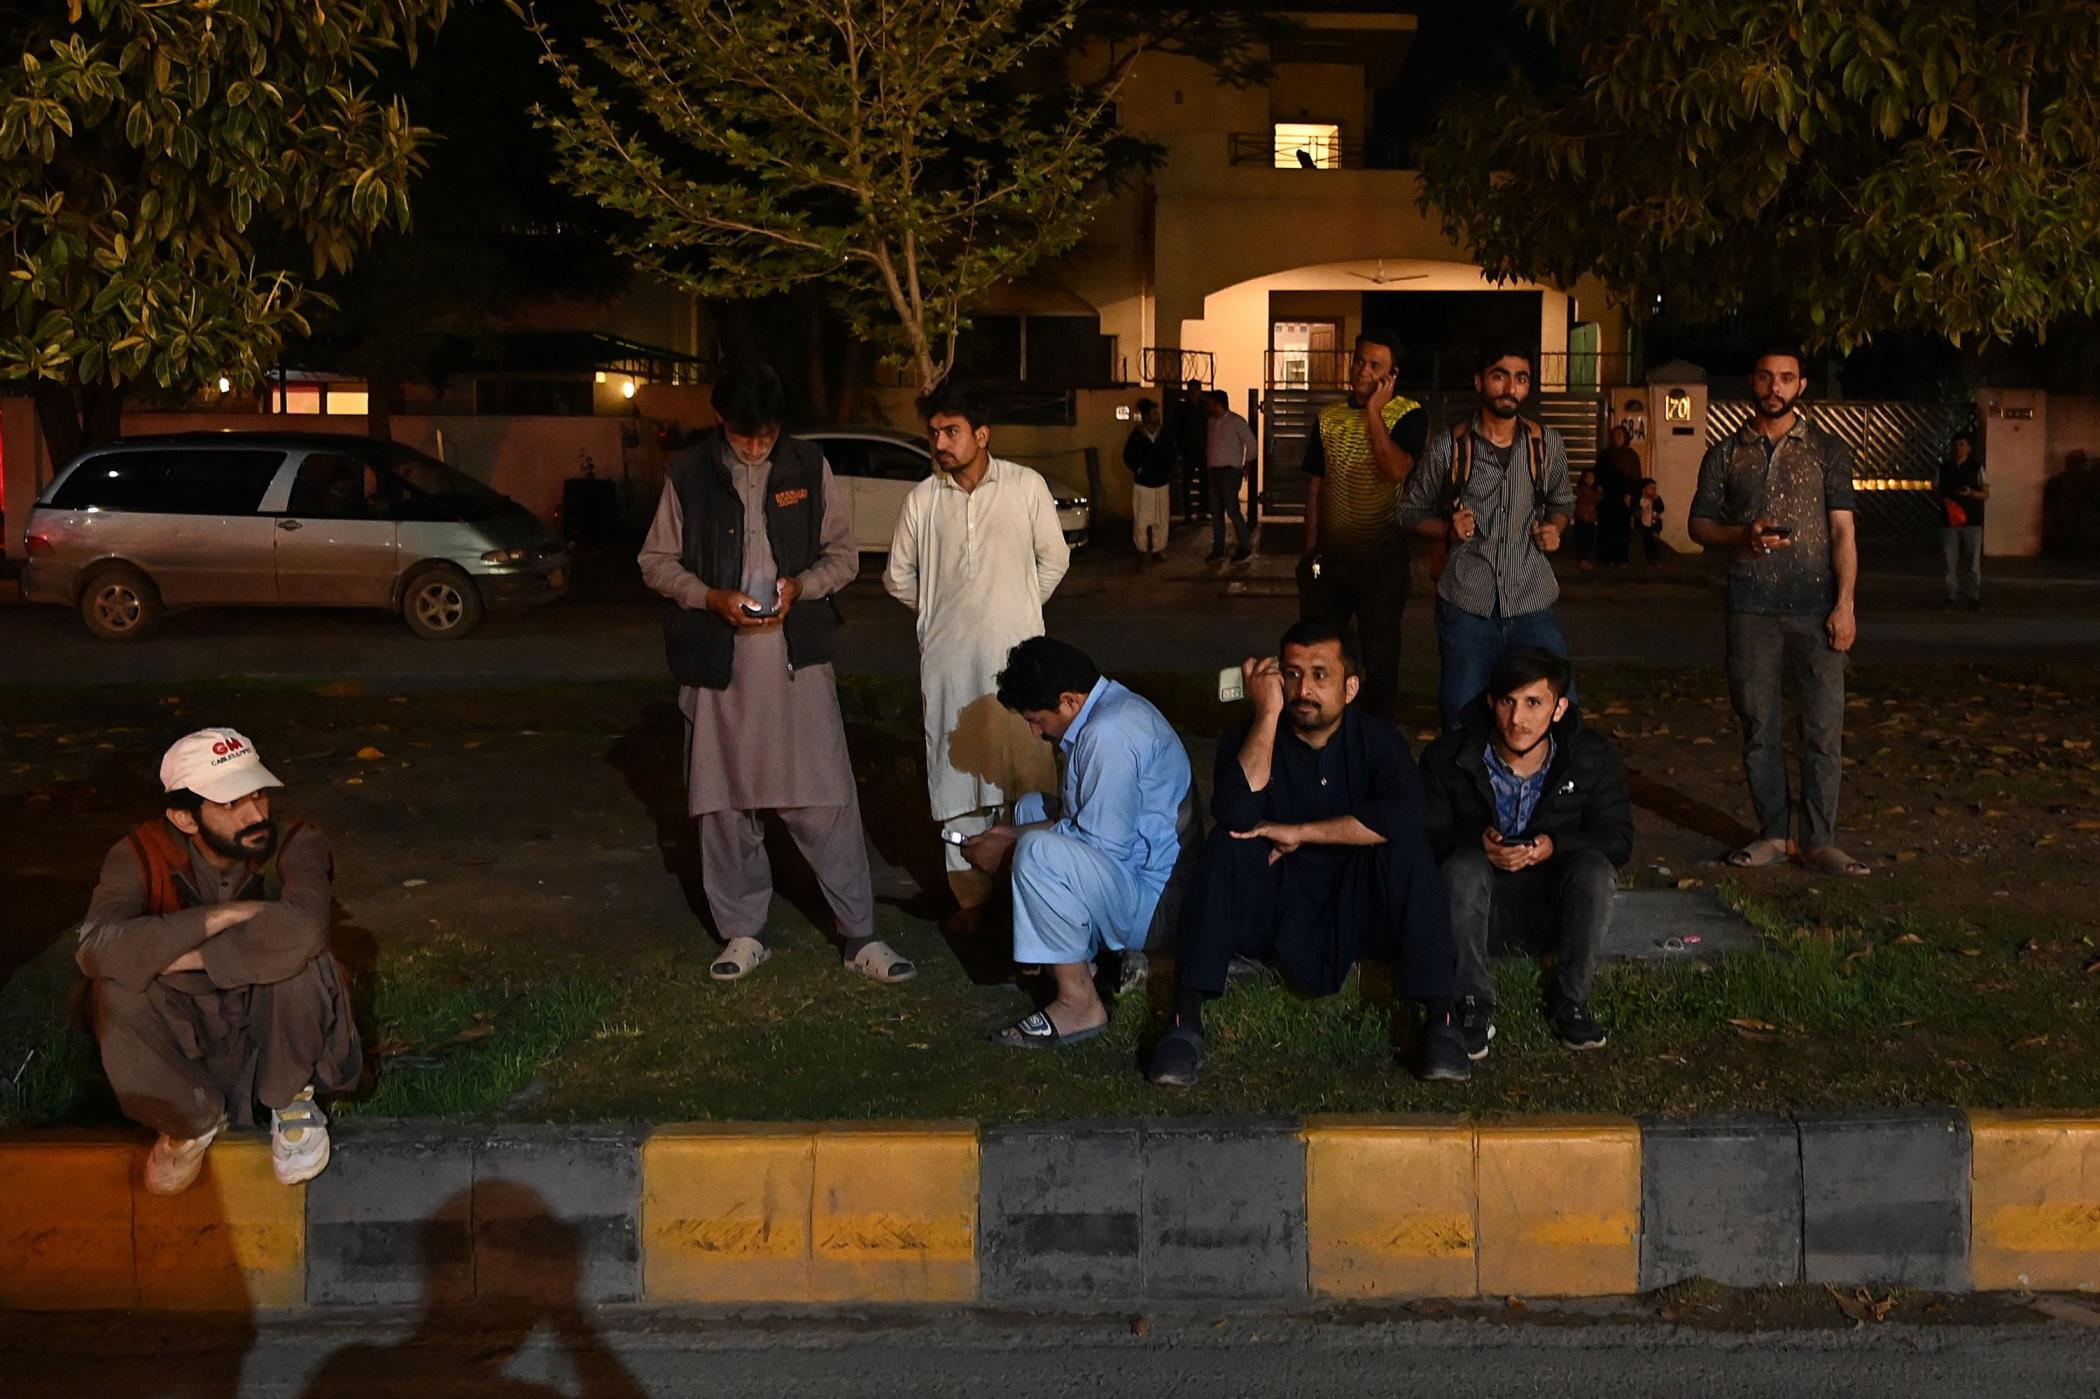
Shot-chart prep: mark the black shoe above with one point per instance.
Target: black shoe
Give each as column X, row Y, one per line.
column 1576, row 1027
column 1476, row 1027
column 1975, row 604
column 1178, row 1061
column 1443, row 1052
column 1159, row 556
column 1243, row 555
column 1214, row 556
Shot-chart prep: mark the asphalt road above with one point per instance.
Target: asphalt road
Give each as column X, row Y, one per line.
column 618, row 1354
column 1180, row 617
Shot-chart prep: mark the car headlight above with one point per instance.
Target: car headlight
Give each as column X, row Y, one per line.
column 1069, row 502
column 500, row 556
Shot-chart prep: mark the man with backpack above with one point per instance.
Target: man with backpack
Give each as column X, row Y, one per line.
column 1494, row 492
column 211, row 987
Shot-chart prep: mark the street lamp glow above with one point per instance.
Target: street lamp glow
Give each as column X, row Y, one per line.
column 627, row 388
column 225, row 384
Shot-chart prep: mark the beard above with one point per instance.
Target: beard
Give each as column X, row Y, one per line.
column 1786, row 405
column 1504, row 407
column 236, row 848
column 1305, row 716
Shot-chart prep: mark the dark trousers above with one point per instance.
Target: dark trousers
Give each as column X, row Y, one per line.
column 1651, row 546
column 1763, row 654
column 1963, row 546
column 1224, row 483
column 1315, row 911
column 1369, row 589
column 179, row 1060
column 1468, row 647
column 1561, row 907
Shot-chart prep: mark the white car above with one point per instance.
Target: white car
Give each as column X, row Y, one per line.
column 880, row 467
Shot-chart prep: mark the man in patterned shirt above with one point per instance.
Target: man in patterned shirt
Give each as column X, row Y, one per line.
column 1355, row 565
column 1778, row 497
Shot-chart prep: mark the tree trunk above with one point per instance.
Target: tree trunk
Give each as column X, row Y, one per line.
column 379, row 406
column 75, row 418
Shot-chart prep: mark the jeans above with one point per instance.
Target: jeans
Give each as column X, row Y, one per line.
column 1561, row 906
column 1224, row 483
column 1963, row 546
column 1371, row 590
column 1468, row 647
column 1764, row 652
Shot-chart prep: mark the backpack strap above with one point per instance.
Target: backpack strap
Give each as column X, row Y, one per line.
column 1535, row 450
column 159, row 858
column 1461, row 464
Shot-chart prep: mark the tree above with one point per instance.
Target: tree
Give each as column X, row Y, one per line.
column 1920, row 165
column 893, row 150
column 148, row 150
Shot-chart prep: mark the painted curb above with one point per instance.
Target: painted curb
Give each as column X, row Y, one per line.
column 1076, row 1213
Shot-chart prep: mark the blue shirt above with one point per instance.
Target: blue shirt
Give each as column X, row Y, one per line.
column 1125, row 777
column 1515, row 797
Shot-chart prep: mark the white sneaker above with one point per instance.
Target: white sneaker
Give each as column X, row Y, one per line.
column 172, row 1165
column 298, row 1139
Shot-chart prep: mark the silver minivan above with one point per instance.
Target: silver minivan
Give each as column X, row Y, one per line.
column 219, row 519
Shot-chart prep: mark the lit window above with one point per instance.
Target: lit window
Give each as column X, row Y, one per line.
column 302, row 398
column 1308, row 146
column 351, row 402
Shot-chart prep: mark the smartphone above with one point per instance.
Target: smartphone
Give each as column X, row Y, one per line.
column 1780, row 532
column 749, row 611
column 955, row 837
column 1232, row 685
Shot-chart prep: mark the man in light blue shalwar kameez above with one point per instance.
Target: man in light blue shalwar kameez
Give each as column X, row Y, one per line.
column 1090, row 863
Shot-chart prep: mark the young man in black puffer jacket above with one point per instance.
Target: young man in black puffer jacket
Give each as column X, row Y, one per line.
column 1528, row 819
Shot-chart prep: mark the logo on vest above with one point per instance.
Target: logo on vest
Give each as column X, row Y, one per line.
column 784, row 499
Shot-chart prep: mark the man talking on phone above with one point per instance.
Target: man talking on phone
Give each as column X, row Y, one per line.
column 1777, row 497
column 1355, row 566
column 1528, row 817
column 751, row 538
column 1318, row 859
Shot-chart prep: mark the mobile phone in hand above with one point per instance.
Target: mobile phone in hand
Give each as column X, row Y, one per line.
column 1780, row 532
column 750, row 611
column 1232, row 685
column 955, row 837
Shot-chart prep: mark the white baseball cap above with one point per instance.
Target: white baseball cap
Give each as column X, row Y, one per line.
column 219, row 765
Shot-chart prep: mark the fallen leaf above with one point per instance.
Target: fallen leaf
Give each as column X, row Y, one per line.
column 1515, row 1304
column 2031, row 1042
column 339, row 689
column 353, row 782
column 1702, row 742
column 2045, row 842
column 1690, row 883
column 1861, row 1306
column 1972, row 952
column 1906, row 856
column 1746, row 1023
column 2089, row 824
column 1893, row 811
column 1140, row 1327
column 2059, row 1309
column 2092, row 966
column 368, row 754
column 473, row 1033
column 413, row 883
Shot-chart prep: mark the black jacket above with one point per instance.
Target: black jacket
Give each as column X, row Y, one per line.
column 1150, row 459
column 1584, row 806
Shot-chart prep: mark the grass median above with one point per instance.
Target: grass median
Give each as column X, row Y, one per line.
column 517, row 914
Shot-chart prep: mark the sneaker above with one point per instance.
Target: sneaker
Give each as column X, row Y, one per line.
column 298, row 1139
column 172, row 1164
column 1575, row 1027
column 1178, row 1062
column 1443, row 1051
column 1476, row 1026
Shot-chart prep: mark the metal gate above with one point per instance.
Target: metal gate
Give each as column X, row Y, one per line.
column 1896, row 447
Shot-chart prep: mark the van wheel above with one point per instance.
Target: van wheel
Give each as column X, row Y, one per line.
column 119, row 603
column 441, row 604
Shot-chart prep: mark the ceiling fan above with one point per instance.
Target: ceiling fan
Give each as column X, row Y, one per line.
column 1381, row 278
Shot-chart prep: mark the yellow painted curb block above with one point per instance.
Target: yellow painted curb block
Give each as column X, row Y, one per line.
column 236, row 1239
column 1390, row 1207
column 726, row 1212
column 2035, row 1201
column 66, row 1222
column 1560, row 1207
column 893, row 1213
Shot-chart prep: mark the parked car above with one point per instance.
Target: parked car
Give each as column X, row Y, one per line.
column 217, row 519
column 882, row 466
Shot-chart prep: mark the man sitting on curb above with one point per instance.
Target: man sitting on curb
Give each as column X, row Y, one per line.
column 206, row 945
column 1528, row 815
column 1090, row 863
column 1318, row 858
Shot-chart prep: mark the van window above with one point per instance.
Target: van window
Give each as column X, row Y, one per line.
column 334, row 486
column 113, row 481
column 217, row 482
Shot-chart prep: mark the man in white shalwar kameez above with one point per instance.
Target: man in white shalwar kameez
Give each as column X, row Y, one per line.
column 977, row 552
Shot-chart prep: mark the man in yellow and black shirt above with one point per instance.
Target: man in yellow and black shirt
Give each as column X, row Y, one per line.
column 1356, row 558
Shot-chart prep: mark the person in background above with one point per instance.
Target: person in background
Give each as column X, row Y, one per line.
column 1618, row 474
column 1587, row 494
column 1963, row 489
column 1648, row 521
column 977, row 552
column 1149, row 455
column 1229, row 449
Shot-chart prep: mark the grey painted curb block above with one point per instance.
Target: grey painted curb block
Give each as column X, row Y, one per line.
column 1224, row 1204
column 557, row 1214
column 390, row 1222
column 1061, row 1212
column 1885, row 1197
column 1720, row 1199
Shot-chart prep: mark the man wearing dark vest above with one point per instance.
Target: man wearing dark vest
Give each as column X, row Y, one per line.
column 211, row 984
column 751, row 538
column 1355, row 566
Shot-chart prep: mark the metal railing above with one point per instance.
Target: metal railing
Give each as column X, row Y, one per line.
column 1271, row 151
column 1572, row 371
column 1165, row 365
